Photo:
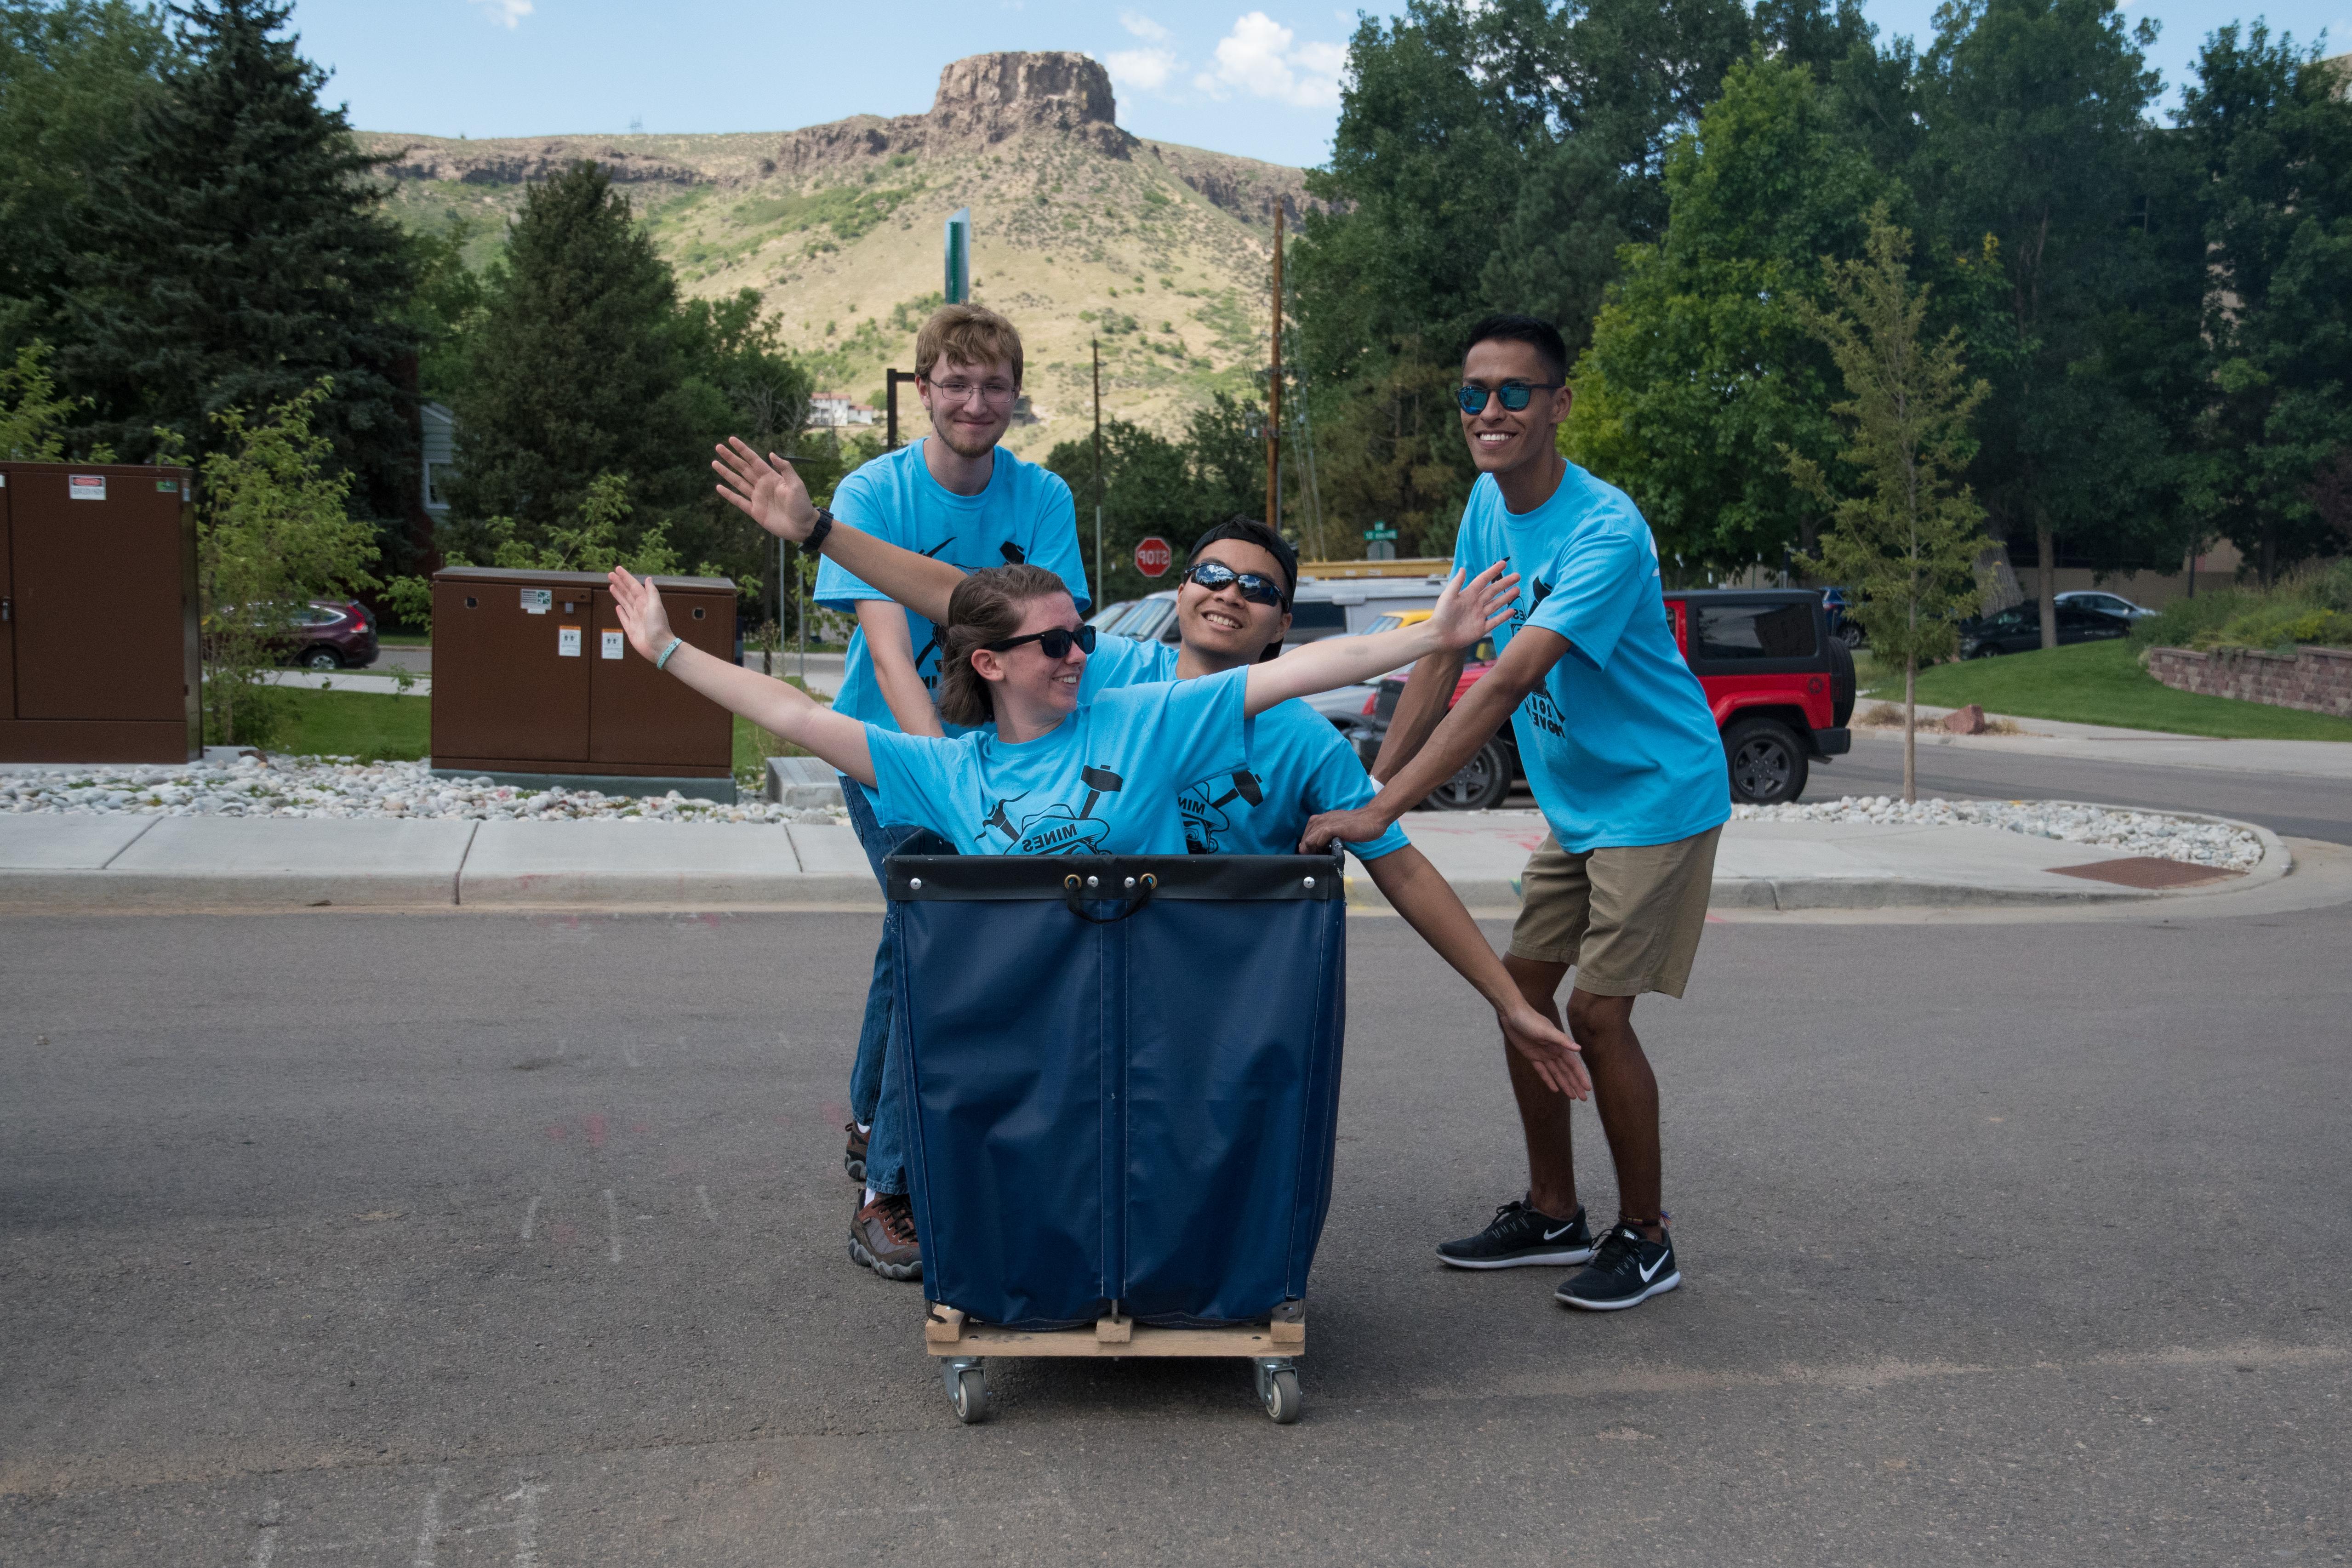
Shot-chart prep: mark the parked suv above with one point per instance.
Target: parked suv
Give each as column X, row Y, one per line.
column 332, row 634
column 1781, row 688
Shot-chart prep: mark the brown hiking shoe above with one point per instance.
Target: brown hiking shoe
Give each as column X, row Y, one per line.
column 853, row 1159
column 882, row 1236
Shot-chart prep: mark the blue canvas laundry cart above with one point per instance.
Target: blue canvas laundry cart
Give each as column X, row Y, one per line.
column 1123, row 1082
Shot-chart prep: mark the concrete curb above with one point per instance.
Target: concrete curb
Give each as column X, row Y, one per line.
column 261, row 863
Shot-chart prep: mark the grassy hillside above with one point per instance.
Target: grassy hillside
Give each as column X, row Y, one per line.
column 1071, row 241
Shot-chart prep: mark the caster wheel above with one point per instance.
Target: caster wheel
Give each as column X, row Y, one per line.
column 970, row 1396
column 1282, row 1401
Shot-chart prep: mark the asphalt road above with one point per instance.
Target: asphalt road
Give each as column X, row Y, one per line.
column 475, row 1240
column 2294, row 805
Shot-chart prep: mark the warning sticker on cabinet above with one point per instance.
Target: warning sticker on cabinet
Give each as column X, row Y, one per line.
column 538, row 600
column 567, row 641
column 85, row 487
column 612, row 643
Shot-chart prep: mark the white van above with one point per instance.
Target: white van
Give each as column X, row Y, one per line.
column 1319, row 609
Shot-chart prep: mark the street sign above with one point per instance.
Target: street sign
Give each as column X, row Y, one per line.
column 1152, row 556
column 1379, row 531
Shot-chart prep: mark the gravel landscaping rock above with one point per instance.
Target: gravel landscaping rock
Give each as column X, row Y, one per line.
column 337, row 787
column 2190, row 839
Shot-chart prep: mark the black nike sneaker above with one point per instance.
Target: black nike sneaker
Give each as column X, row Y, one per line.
column 1629, row 1269
column 1522, row 1238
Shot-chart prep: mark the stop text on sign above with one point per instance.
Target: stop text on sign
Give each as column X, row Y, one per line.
column 1154, row 555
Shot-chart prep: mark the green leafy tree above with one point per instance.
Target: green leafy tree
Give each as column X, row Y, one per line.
column 272, row 532
column 1905, row 531
column 1488, row 156
column 577, row 367
column 2032, row 129
column 238, row 254
column 2269, row 140
column 445, row 307
column 74, row 77
column 1146, row 490
column 1702, row 366
column 740, row 382
column 32, row 416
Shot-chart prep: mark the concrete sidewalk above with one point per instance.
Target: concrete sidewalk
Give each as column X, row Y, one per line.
column 153, row 862
column 2161, row 748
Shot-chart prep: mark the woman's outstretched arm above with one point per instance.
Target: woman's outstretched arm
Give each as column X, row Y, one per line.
column 1464, row 613
column 773, row 706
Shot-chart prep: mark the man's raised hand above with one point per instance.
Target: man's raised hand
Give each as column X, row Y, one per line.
column 1467, row 611
column 766, row 490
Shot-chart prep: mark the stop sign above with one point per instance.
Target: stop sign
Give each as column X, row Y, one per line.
column 1152, row 556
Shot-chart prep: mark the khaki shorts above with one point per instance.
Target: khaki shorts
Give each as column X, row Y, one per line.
column 1628, row 919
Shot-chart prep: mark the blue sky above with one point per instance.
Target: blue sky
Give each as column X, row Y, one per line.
column 1226, row 75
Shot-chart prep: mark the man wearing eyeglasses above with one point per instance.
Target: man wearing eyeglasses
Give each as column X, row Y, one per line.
column 956, row 498
column 1625, row 762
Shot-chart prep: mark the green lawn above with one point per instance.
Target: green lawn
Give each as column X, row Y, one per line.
column 2100, row 683
column 356, row 724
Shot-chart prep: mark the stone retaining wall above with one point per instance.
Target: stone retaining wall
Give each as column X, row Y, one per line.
column 2317, row 680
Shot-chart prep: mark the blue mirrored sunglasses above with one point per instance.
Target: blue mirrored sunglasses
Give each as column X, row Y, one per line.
column 1516, row 395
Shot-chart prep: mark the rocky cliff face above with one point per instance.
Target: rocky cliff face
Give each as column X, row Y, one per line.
column 1093, row 240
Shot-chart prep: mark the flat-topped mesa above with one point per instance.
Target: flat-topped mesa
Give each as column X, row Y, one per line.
column 982, row 100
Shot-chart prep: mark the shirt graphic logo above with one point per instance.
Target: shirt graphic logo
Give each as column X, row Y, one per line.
column 1013, row 556
column 1056, row 830
column 1205, row 819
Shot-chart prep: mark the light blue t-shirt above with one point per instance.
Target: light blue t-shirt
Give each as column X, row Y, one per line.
column 1299, row 766
column 1024, row 514
column 1103, row 782
column 1619, row 744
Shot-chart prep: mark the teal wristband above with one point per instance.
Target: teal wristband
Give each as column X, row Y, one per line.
column 675, row 644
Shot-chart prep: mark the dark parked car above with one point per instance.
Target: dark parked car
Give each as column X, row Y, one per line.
column 1836, row 601
column 333, row 635
column 2017, row 629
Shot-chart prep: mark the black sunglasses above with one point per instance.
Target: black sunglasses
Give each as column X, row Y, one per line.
column 1257, row 588
column 1516, row 395
column 1055, row 644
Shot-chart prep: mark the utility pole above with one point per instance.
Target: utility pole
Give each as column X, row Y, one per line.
column 1274, row 393
column 1098, row 485
column 890, row 379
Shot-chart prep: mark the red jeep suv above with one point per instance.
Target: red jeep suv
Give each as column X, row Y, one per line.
column 1780, row 686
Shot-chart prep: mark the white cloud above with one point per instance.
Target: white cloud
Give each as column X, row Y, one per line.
column 507, row 14
column 1143, row 27
column 1257, row 57
column 1146, row 70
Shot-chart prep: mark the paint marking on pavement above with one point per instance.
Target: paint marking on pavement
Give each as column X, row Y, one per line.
column 629, row 1055
column 428, row 1530
column 525, row 1525
column 704, row 1194
column 267, row 1547
column 612, row 1222
column 530, row 1218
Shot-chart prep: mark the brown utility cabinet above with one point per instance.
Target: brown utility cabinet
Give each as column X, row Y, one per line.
column 534, row 684
column 99, row 660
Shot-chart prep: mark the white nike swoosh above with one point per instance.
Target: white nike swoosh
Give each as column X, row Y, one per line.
column 1555, row 1235
column 1652, row 1271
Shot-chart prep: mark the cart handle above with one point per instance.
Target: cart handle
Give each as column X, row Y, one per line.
column 1078, row 892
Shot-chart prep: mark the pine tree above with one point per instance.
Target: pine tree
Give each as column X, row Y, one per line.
column 239, row 253
column 577, row 368
column 1907, row 533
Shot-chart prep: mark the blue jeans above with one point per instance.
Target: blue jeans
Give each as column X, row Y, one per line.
column 877, row 1096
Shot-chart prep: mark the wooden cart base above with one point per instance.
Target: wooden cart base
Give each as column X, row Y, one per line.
column 1272, row 1348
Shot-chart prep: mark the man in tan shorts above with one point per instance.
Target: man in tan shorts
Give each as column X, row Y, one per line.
column 1622, row 753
